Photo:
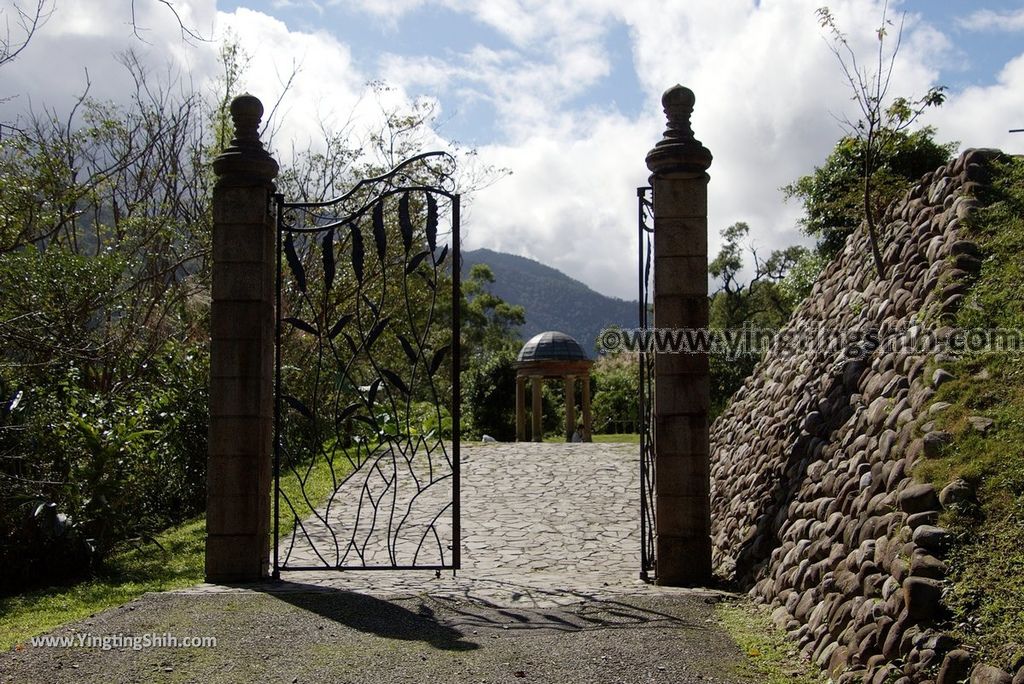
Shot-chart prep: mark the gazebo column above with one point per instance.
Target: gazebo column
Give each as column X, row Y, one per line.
column 536, row 413
column 585, row 404
column 520, row 408
column 570, row 407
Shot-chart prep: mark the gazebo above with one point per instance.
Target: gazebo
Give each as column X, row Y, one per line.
column 547, row 356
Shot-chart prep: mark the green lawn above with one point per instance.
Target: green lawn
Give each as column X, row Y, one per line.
column 771, row 658
column 602, row 439
column 135, row 571
column 129, row 574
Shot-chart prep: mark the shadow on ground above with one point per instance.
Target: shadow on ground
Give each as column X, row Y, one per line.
column 437, row 620
column 374, row 616
column 305, row 633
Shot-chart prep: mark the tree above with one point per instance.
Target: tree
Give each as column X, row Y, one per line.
column 26, row 20
column 760, row 300
column 882, row 121
column 490, row 342
column 490, row 324
column 833, row 195
column 104, row 238
column 764, row 302
column 616, row 402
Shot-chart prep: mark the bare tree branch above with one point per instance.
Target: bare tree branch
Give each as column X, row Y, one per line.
column 188, row 33
column 26, row 23
column 880, row 119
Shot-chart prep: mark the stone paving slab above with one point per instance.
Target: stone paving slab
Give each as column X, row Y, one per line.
column 543, row 524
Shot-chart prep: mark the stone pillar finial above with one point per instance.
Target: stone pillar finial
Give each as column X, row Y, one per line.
column 244, row 161
column 679, row 151
column 246, row 113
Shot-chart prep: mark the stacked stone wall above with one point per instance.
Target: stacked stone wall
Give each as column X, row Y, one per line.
column 814, row 508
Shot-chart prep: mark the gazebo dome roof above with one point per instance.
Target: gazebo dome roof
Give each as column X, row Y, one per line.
column 552, row 346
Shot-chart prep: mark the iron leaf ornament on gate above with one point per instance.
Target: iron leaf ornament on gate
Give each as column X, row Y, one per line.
column 367, row 384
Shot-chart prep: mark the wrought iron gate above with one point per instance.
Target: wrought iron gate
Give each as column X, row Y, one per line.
column 645, row 228
column 366, row 406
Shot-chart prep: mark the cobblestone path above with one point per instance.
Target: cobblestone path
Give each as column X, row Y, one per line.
column 542, row 524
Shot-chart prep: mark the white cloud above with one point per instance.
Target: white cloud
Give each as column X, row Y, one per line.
column 327, row 88
column 289, row 4
column 766, row 88
column 990, row 20
column 80, row 41
column 981, row 116
column 570, row 202
column 768, row 94
column 387, row 10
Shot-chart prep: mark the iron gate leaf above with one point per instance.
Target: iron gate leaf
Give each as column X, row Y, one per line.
column 431, row 222
column 352, row 347
column 348, row 411
column 297, row 405
column 336, row 328
column 373, row 307
column 293, row 262
column 444, row 253
column 438, row 357
column 357, row 252
column 375, row 332
column 415, row 261
column 328, row 255
column 369, row 421
column 374, row 387
column 379, row 236
column 300, row 324
column 395, row 381
column 405, row 221
column 426, row 280
column 408, row 348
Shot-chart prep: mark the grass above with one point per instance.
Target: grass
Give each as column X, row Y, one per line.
column 135, row 571
column 771, row 657
column 316, row 480
column 128, row 575
column 617, row 439
column 986, row 566
column 601, row 439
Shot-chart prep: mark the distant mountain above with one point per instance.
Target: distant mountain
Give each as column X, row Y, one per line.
column 553, row 300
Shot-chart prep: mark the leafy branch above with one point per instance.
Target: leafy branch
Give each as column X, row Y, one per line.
column 881, row 121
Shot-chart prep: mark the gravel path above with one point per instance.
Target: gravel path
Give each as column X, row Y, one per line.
column 549, row 593
column 332, row 636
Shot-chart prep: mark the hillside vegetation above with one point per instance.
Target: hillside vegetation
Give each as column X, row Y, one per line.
column 986, row 567
column 552, row 300
column 870, row 492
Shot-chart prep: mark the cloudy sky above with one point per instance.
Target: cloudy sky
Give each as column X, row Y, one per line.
column 564, row 93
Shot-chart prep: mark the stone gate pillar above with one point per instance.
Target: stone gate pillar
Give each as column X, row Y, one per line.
column 678, row 166
column 241, row 355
